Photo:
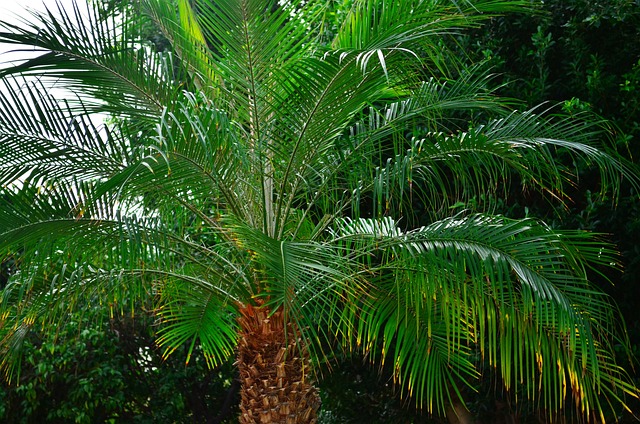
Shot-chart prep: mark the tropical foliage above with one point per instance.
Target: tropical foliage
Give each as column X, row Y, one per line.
column 107, row 371
column 285, row 182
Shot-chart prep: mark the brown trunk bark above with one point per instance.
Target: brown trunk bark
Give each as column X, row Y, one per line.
column 274, row 371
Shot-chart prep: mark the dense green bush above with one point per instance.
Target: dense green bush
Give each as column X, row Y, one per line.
column 109, row 371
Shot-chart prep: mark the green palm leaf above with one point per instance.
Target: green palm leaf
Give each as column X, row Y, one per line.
column 86, row 49
column 513, row 290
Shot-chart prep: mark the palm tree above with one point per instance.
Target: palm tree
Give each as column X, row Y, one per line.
column 281, row 183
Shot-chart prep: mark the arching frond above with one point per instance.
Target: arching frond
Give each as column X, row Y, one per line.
column 93, row 54
column 513, row 291
column 486, row 158
column 68, row 145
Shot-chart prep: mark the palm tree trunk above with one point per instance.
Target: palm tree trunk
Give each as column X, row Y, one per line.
column 274, row 371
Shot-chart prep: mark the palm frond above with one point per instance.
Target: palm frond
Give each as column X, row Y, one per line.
column 349, row 154
column 101, row 255
column 69, row 145
column 378, row 30
column 191, row 315
column 92, row 54
column 185, row 34
column 486, row 158
column 514, row 290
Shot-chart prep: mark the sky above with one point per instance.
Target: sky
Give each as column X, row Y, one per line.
column 17, row 6
column 9, row 8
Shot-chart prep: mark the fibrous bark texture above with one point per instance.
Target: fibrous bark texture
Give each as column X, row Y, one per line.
column 274, row 371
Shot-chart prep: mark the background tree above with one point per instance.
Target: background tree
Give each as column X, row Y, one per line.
column 585, row 55
column 96, row 370
column 259, row 184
